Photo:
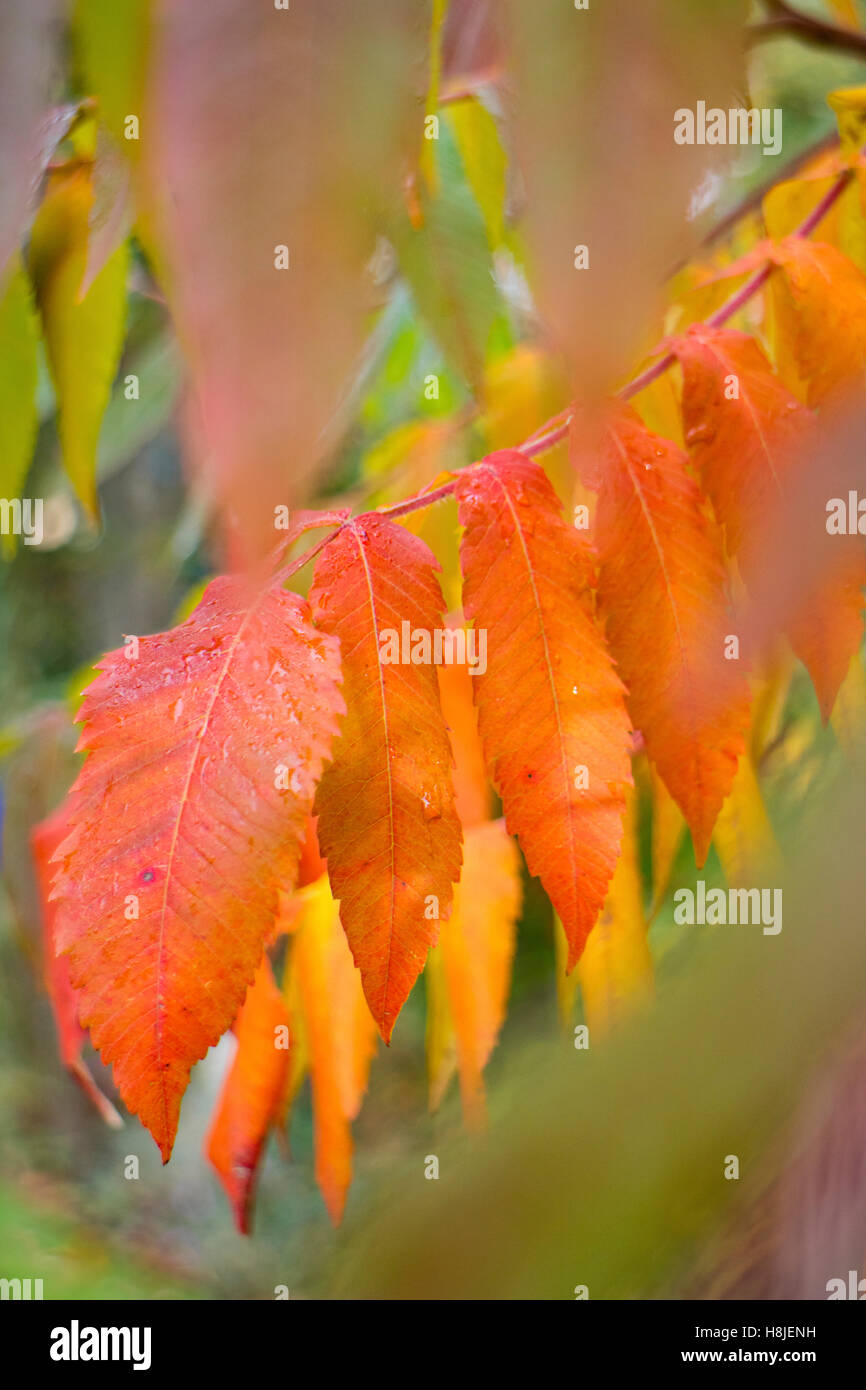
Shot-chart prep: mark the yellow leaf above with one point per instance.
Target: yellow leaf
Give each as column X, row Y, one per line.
column 83, row 336
column 522, row 388
column 566, row 984
column 668, row 824
column 440, row 1042
column 477, row 947
column 484, row 163
column 846, row 12
column 615, row 970
column 19, row 338
column 113, row 42
column 849, row 714
column 743, row 836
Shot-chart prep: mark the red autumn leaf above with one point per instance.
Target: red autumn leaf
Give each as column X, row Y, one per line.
column 751, row 439
column 251, row 1099
column 204, row 750
column 387, row 823
column 44, row 840
column 339, row 1032
column 662, row 593
column 551, row 710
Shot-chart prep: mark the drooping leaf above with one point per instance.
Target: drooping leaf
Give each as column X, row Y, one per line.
column 45, row 837
column 551, row 711
column 615, row 971
column 476, row 947
column 110, row 216
column 26, row 53
column 387, row 823
column 440, row 1044
column 662, row 591
column 269, row 129
column 751, row 440
column 340, row 1035
column 668, row 828
column 252, row 1095
column 83, row 335
column 484, row 162
column 743, row 835
column 824, row 315
column 471, row 783
column 114, row 47
column 446, row 259
column 204, row 746
column 19, row 340
column 612, row 68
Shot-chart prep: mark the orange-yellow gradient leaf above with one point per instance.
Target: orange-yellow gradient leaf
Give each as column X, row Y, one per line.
column 439, row 1041
column 252, row 1094
column 340, row 1036
column 477, row 949
column 551, row 709
column 615, row 971
column 751, row 439
column 826, row 313
column 743, row 836
column 44, row 840
column 471, row 783
column 204, row 748
column 662, row 590
column 387, row 823
column 668, row 828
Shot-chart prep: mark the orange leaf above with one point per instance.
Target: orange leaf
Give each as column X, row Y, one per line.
column 252, row 1093
column 751, row 442
column 477, row 947
column 662, row 592
column 44, row 840
column 471, row 785
column 826, row 306
column 387, row 823
column 551, row 709
column 204, row 751
column 340, row 1035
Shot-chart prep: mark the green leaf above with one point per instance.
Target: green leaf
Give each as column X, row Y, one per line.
column 484, row 162
column 19, row 342
column 83, row 334
column 447, row 263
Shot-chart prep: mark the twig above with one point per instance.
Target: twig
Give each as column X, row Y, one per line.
column 789, row 22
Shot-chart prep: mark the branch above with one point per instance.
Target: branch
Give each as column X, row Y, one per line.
column 554, row 430
column 789, row 22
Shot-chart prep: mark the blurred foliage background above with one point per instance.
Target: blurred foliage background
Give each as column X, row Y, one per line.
column 454, row 303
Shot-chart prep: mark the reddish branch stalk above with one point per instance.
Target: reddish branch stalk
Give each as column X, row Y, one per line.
column 556, row 429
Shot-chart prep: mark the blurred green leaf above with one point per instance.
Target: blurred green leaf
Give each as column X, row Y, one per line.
column 484, row 162
column 19, row 338
column 83, row 336
column 447, row 263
